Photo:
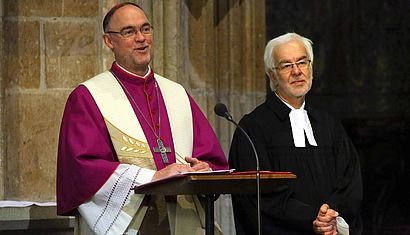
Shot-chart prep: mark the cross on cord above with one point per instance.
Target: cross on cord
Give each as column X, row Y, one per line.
column 163, row 150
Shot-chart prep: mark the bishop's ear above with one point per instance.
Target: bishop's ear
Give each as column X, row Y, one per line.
column 107, row 41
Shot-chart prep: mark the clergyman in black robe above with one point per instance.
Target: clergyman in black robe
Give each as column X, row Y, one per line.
column 327, row 167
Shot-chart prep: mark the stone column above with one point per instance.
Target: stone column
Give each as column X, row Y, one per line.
column 221, row 60
column 2, row 159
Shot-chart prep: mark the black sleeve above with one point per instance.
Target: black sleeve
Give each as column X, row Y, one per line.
column 347, row 193
column 279, row 206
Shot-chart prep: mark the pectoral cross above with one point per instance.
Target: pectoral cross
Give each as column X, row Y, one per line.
column 163, row 150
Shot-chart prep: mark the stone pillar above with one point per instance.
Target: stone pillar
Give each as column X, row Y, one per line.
column 222, row 55
column 2, row 159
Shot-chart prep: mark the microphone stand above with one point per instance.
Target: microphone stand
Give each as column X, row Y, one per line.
column 221, row 110
column 258, row 178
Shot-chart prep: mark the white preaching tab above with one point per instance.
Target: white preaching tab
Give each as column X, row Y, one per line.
column 300, row 124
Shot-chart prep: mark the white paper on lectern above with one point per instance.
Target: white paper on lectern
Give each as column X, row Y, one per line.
column 207, row 172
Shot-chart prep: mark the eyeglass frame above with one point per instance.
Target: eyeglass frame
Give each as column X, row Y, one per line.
column 133, row 30
column 297, row 64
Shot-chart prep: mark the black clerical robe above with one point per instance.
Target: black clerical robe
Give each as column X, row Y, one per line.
column 327, row 173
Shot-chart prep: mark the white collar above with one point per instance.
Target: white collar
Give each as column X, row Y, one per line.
column 300, row 123
column 148, row 72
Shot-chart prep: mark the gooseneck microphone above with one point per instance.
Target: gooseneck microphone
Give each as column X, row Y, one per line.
column 222, row 111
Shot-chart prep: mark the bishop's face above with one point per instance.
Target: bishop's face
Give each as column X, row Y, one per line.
column 134, row 51
column 292, row 75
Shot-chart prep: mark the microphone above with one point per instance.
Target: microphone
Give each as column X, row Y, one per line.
column 221, row 110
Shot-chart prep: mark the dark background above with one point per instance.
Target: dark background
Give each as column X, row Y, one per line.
column 361, row 77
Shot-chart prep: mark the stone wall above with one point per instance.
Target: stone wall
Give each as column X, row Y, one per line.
column 214, row 48
column 49, row 47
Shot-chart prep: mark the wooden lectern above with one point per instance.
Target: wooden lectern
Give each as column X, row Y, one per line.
column 210, row 184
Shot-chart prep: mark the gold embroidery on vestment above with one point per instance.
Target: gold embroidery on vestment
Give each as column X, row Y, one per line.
column 130, row 150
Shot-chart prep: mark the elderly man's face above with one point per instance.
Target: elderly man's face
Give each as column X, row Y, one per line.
column 135, row 52
column 293, row 75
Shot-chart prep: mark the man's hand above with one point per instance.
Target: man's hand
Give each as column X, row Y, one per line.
column 325, row 222
column 173, row 169
column 198, row 165
column 170, row 170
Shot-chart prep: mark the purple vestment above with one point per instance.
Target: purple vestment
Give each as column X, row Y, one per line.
column 86, row 156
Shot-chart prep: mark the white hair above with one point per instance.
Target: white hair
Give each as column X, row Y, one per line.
column 272, row 44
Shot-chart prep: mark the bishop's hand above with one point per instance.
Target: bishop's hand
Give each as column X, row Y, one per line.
column 171, row 170
column 198, row 165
